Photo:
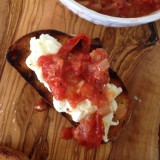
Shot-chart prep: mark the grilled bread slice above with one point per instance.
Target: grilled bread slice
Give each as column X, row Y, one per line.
column 7, row 153
column 20, row 50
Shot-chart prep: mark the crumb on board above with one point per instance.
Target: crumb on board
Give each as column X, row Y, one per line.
column 136, row 98
column 13, row 120
column 1, row 111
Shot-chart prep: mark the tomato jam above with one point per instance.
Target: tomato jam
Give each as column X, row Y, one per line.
column 89, row 132
column 77, row 76
column 122, row 8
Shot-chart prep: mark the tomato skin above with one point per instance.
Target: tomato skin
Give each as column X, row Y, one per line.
column 71, row 43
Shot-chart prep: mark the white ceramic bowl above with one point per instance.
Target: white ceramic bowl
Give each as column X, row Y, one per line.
column 106, row 20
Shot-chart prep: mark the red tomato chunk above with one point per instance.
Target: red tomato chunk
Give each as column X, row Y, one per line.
column 89, row 132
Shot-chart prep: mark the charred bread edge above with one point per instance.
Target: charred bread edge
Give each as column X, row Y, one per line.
column 17, row 60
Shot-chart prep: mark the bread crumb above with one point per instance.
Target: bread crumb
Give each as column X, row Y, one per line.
column 1, row 111
column 137, row 99
column 13, row 120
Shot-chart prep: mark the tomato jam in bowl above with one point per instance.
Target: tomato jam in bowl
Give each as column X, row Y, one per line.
column 122, row 16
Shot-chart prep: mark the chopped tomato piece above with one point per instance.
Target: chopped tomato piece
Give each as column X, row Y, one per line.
column 77, row 76
column 90, row 131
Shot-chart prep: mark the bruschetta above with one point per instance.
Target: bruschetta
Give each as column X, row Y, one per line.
column 73, row 74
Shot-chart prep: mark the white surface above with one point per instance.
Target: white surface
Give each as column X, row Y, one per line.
column 105, row 20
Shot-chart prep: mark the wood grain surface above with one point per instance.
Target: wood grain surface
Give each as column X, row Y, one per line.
column 134, row 54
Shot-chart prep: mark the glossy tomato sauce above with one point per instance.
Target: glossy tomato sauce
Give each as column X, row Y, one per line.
column 77, row 76
column 122, row 8
column 89, row 132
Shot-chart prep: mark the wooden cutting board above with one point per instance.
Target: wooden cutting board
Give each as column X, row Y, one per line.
column 134, row 54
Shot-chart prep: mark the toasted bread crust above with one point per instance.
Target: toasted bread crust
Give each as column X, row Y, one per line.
column 7, row 153
column 20, row 50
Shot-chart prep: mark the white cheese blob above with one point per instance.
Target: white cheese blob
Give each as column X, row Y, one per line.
column 112, row 91
column 46, row 44
column 83, row 108
column 107, row 121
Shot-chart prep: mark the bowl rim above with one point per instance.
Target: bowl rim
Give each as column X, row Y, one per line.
column 105, row 18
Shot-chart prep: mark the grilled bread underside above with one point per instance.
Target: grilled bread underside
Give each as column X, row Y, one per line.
column 20, row 50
